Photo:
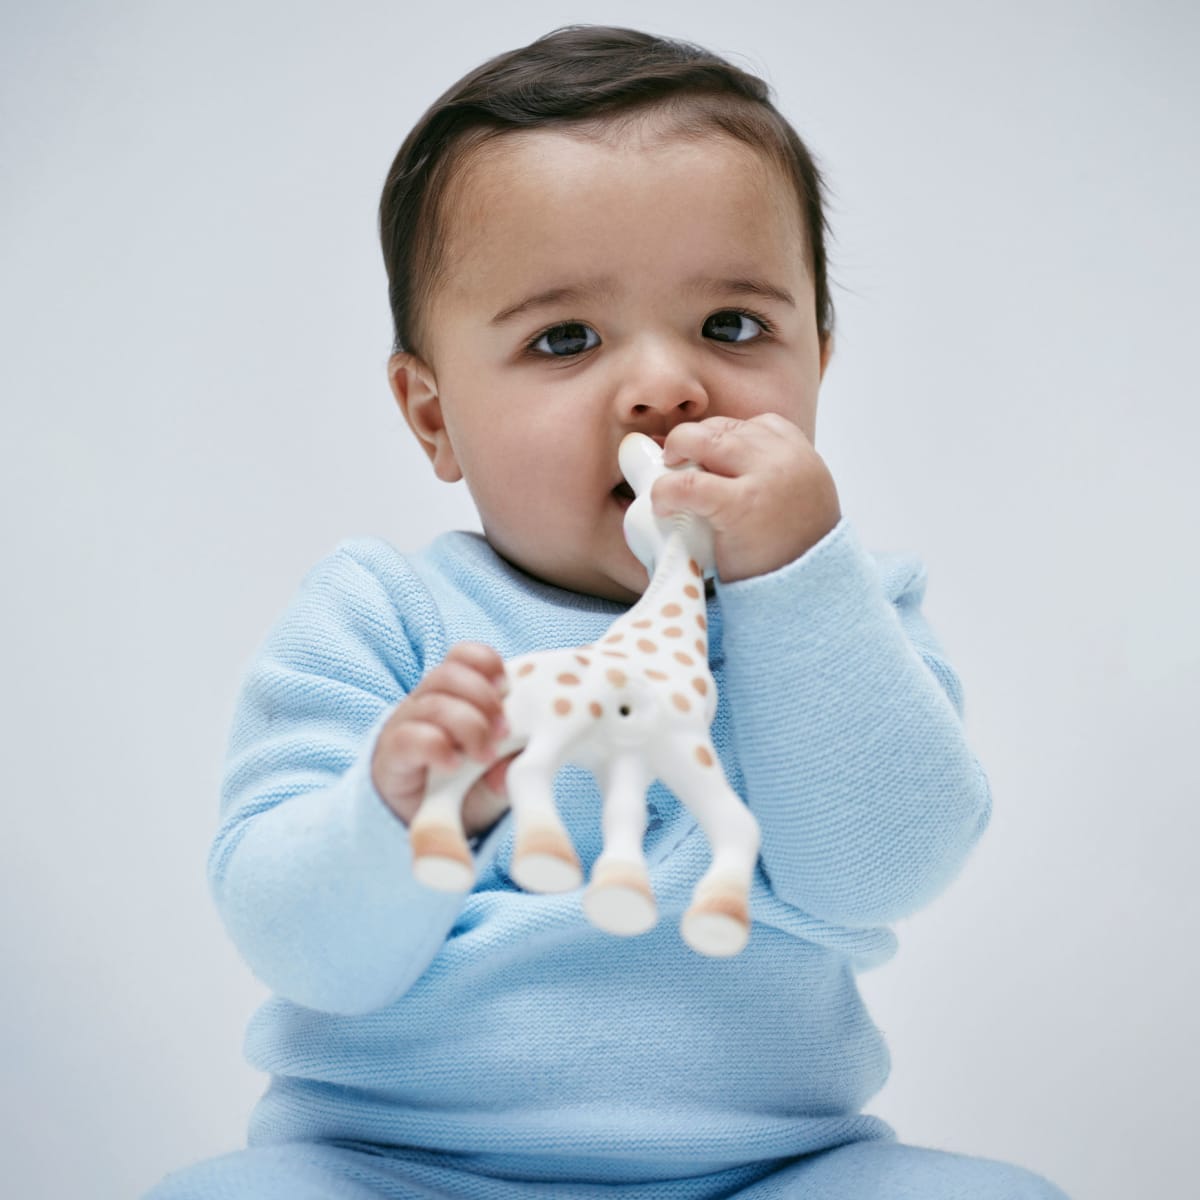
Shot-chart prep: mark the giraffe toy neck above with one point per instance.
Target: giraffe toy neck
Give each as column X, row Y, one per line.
column 673, row 609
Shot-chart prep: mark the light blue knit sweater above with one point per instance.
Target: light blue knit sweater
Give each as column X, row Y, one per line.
column 502, row 1027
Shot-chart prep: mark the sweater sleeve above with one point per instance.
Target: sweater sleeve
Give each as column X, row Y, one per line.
column 309, row 869
column 848, row 726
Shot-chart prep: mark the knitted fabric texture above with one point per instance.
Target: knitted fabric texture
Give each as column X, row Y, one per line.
column 501, row 1027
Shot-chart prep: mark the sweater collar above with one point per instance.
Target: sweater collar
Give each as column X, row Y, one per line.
column 486, row 578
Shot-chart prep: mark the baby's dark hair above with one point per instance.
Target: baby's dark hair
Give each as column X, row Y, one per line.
column 587, row 78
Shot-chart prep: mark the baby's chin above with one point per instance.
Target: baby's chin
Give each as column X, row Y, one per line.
column 599, row 563
column 617, row 575
column 614, row 574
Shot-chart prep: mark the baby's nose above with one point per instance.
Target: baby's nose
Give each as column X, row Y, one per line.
column 660, row 382
column 676, row 402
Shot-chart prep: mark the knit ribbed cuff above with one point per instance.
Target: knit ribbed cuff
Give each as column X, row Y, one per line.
column 836, row 567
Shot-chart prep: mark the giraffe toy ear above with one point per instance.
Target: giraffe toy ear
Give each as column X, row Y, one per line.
column 641, row 462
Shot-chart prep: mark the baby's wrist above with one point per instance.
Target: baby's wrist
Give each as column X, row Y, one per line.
column 742, row 565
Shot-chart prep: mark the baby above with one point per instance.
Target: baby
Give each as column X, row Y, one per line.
column 600, row 233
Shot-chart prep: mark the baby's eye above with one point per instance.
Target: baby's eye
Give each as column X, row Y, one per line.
column 728, row 327
column 562, row 341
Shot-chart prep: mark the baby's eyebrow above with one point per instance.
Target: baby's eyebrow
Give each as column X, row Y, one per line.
column 741, row 286
column 605, row 287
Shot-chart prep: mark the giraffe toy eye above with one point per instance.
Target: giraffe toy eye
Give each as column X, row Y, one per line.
column 624, row 710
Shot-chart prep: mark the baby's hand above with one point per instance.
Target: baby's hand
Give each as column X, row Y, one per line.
column 764, row 489
column 456, row 709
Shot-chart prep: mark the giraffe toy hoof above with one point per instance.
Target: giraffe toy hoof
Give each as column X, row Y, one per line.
column 441, row 857
column 443, row 874
column 718, row 923
column 619, row 899
column 546, row 873
column 546, row 861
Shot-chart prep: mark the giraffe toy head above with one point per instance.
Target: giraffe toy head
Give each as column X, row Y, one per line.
column 641, row 462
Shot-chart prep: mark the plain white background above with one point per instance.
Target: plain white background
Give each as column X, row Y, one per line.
column 195, row 330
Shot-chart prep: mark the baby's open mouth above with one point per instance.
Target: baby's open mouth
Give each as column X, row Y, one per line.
column 624, row 493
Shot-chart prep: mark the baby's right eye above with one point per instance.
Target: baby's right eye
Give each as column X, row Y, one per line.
column 563, row 341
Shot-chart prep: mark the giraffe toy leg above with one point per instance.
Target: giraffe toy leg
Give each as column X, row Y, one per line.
column 441, row 857
column 543, row 858
column 619, row 898
column 718, row 921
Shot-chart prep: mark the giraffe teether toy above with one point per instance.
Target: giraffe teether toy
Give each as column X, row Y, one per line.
column 633, row 707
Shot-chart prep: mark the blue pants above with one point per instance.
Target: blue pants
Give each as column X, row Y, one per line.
column 868, row 1170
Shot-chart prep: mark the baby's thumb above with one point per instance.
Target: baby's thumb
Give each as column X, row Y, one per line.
column 496, row 777
column 487, row 800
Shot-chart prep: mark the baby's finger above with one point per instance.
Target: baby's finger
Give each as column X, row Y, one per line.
column 703, row 442
column 456, row 678
column 496, row 776
column 471, row 730
column 723, row 445
column 413, row 748
column 487, row 801
column 700, row 492
column 482, row 657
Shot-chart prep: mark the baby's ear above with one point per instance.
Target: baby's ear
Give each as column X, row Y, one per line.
column 415, row 388
column 826, row 353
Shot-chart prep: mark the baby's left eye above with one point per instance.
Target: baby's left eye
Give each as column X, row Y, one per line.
column 729, row 327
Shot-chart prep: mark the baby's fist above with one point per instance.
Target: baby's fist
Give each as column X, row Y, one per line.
column 457, row 709
column 765, row 490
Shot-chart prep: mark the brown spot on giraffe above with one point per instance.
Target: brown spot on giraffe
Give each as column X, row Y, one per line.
column 672, row 631
column 694, row 567
column 615, row 677
column 595, row 709
column 701, row 649
column 686, row 659
column 681, row 702
column 700, row 685
column 562, row 706
column 616, row 637
column 614, row 654
column 650, row 673
column 691, row 591
column 642, row 624
column 525, row 669
column 701, row 621
column 671, row 610
column 646, row 646
column 703, row 757
column 583, row 659
column 567, row 678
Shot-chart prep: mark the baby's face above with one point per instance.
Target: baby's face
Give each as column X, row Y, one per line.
column 594, row 289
